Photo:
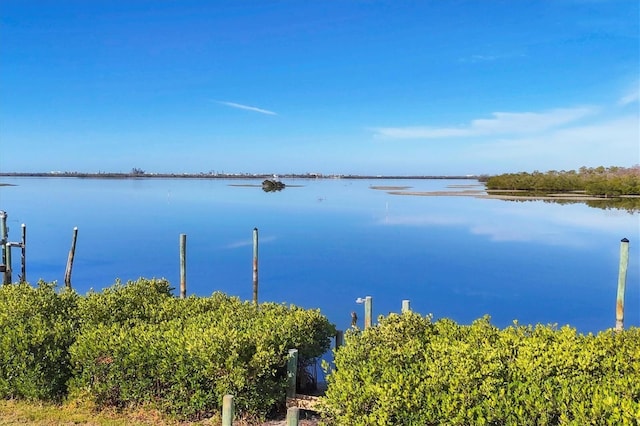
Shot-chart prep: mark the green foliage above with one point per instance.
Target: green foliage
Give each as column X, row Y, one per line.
column 183, row 355
column 599, row 181
column 134, row 344
column 37, row 326
column 409, row 370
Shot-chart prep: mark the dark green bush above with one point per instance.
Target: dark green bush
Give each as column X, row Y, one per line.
column 409, row 370
column 37, row 326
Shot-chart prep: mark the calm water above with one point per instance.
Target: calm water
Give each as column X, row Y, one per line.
column 328, row 242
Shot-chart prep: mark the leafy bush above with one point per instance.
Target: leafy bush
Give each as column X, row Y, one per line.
column 184, row 355
column 37, row 326
column 409, row 370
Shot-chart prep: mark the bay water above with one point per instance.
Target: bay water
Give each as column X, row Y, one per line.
column 324, row 243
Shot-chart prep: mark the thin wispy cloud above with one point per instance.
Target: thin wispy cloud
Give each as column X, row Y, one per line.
column 631, row 97
column 501, row 123
column 248, row 242
column 247, row 107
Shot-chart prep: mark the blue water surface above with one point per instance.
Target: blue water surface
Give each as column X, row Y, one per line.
column 326, row 242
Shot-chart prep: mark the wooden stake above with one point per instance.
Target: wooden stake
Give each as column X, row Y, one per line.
column 227, row 410
column 292, row 371
column 622, row 278
column 368, row 311
column 255, row 266
column 23, row 277
column 183, row 266
column 293, row 416
column 72, row 253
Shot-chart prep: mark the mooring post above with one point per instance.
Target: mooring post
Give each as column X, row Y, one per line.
column 183, row 266
column 23, row 277
column 227, row 410
column 406, row 306
column 292, row 371
column 8, row 277
column 367, row 311
column 72, row 253
column 622, row 278
column 3, row 247
column 339, row 338
column 293, row 416
column 255, row 266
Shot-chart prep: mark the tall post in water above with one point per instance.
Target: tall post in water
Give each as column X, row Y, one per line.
column 3, row 242
column 7, row 271
column 255, row 266
column 183, row 266
column 72, row 253
column 368, row 311
column 622, row 278
column 23, row 277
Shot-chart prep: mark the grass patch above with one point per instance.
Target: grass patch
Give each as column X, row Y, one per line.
column 18, row 412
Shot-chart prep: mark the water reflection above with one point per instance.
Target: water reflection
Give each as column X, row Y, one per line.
column 455, row 256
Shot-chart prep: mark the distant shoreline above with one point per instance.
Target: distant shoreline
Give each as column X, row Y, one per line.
column 228, row 176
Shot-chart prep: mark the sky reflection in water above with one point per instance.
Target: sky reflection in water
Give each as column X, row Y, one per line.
column 328, row 242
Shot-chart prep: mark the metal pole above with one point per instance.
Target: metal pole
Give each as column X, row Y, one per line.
column 23, row 277
column 227, row 410
column 292, row 371
column 406, row 306
column 255, row 266
column 72, row 253
column 622, row 278
column 183, row 266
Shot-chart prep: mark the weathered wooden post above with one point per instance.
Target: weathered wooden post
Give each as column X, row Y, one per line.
column 23, row 277
column 293, row 416
column 183, row 266
column 292, row 371
column 622, row 278
column 72, row 253
column 3, row 247
column 8, row 267
column 406, row 306
column 227, row 410
column 255, row 266
column 367, row 311
column 339, row 338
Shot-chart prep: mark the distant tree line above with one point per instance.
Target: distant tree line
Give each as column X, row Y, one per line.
column 599, row 181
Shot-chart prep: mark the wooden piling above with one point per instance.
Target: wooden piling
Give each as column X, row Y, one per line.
column 72, row 253
column 368, row 312
column 23, row 259
column 406, row 306
column 183, row 266
column 8, row 267
column 3, row 247
column 622, row 278
column 292, row 371
column 227, row 410
column 293, row 416
column 339, row 338
column 255, row 266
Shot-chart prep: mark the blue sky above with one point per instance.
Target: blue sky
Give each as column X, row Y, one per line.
column 349, row 87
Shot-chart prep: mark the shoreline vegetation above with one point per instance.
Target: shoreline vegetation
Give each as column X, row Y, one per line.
column 600, row 187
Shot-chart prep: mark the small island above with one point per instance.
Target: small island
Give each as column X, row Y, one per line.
column 272, row 185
